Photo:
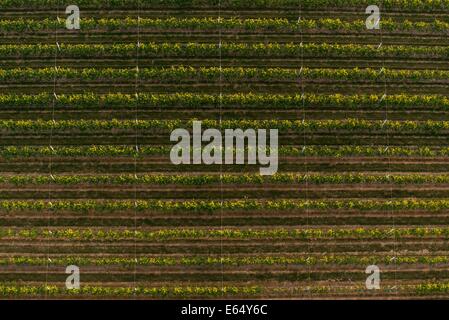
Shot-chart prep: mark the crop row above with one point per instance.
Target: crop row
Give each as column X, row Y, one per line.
column 432, row 288
column 229, row 261
column 224, row 24
column 424, row 127
column 190, row 100
column 184, row 292
column 216, row 74
column 6, row 290
column 131, row 151
column 260, row 50
column 160, row 292
column 259, row 4
column 174, row 234
column 226, row 178
column 215, row 205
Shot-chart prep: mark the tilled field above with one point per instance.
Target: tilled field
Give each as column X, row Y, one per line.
column 85, row 171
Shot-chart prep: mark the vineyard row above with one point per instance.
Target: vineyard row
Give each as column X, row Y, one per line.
column 232, row 205
column 425, row 127
column 259, row 50
column 190, row 100
column 224, row 24
column 283, row 178
column 184, row 234
column 228, row 261
column 216, row 74
column 423, row 5
column 304, row 151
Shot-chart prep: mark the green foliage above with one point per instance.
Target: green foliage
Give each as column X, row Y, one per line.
column 225, row 24
column 429, row 127
column 150, row 50
column 129, row 262
column 298, row 151
column 229, row 101
column 91, row 234
column 206, row 179
column 211, row 206
column 14, row 290
column 422, row 5
column 182, row 74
